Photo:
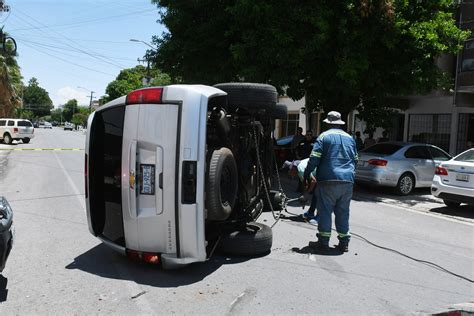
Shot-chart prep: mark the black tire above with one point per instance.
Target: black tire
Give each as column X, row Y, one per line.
column 405, row 184
column 7, row 139
column 25, row 140
column 222, row 185
column 452, row 204
column 280, row 111
column 254, row 240
column 250, row 96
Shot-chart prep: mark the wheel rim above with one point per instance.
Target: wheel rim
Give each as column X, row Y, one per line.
column 7, row 139
column 406, row 185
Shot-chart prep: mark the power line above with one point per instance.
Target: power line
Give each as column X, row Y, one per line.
column 55, row 48
column 67, row 61
column 78, row 49
column 68, row 25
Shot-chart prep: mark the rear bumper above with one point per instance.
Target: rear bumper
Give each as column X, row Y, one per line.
column 377, row 176
column 21, row 136
column 451, row 193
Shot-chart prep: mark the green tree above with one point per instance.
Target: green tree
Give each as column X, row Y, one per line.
column 340, row 55
column 36, row 99
column 79, row 119
column 56, row 115
column 134, row 78
column 70, row 108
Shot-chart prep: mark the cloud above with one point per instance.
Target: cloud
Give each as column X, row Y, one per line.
column 67, row 93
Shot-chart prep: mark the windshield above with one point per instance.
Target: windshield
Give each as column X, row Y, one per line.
column 467, row 156
column 383, row 149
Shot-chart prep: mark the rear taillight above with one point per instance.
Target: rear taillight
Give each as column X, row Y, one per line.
column 145, row 96
column 378, row 162
column 148, row 257
column 441, row 171
column 15, row 130
column 85, row 177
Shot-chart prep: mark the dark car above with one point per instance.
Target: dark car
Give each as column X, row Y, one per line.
column 283, row 149
column 6, row 231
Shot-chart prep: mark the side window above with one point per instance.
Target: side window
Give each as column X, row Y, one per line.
column 11, row 123
column 438, row 154
column 418, row 152
column 2, row 122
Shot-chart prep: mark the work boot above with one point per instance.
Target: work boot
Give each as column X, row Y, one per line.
column 343, row 245
column 322, row 243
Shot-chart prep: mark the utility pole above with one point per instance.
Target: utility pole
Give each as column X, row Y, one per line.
column 90, row 102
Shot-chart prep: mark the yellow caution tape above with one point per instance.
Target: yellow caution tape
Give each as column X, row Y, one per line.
column 42, row 149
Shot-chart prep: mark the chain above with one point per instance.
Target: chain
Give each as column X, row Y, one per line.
column 276, row 215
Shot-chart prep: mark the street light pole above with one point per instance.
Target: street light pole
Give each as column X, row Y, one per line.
column 140, row 41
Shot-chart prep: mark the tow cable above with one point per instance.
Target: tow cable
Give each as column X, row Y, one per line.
column 282, row 200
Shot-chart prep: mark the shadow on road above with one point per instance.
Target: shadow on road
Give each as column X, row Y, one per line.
column 313, row 250
column 106, row 263
column 3, row 289
column 465, row 211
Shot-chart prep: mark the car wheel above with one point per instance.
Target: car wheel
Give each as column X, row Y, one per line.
column 280, row 111
column 254, row 239
column 250, row 96
column 25, row 140
column 7, row 139
column 406, row 184
column 222, row 184
column 451, row 203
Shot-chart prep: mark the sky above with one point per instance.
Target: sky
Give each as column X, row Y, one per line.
column 76, row 46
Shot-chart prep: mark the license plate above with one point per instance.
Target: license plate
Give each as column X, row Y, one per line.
column 462, row 177
column 147, row 185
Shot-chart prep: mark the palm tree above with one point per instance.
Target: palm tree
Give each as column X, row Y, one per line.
column 10, row 79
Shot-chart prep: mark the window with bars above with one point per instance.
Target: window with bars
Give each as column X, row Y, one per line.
column 289, row 126
column 432, row 129
column 465, row 132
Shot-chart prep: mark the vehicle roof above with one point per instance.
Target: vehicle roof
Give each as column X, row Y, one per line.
column 400, row 143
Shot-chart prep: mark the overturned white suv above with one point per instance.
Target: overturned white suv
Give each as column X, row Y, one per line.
column 172, row 172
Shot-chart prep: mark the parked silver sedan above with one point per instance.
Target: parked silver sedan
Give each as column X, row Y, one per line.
column 401, row 165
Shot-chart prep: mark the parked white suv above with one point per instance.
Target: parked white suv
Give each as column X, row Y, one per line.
column 173, row 172
column 16, row 129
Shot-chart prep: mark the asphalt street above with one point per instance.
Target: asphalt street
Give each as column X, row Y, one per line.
column 58, row 267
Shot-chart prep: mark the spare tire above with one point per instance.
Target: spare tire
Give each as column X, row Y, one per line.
column 280, row 111
column 222, row 184
column 253, row 240
column 250, row 96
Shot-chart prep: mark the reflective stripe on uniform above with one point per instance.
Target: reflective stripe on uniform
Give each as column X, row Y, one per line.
column 315, row 154
column 331, row 132
column 342, row 235
column 324, row 234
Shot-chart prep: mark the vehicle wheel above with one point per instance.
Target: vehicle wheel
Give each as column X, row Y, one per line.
column 280, row 111
column 451, row 203
column 26, row 140
column 405, row 184
column 254, row 240
column 222, row 185
column 7, row 139
column 251, row 96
